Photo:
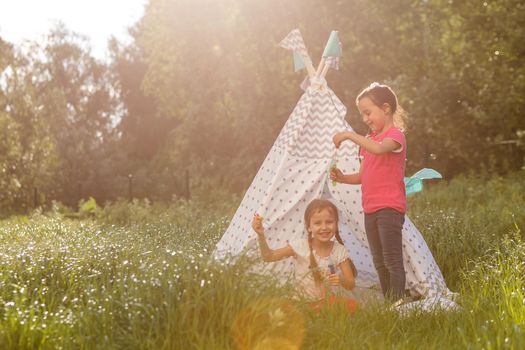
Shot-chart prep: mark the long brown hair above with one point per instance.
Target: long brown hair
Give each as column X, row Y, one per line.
column 316, row 206
column 380, row 94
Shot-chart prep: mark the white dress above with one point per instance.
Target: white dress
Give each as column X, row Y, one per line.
column 303, row 275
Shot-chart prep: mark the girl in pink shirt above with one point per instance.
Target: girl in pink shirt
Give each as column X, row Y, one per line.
column 381, row 174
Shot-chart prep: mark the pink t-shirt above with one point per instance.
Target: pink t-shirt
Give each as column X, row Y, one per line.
column 382, row 184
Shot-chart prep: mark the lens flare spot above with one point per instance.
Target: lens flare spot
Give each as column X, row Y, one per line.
column 268, row 324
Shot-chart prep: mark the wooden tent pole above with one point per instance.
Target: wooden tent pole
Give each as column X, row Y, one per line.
column 309, row 66
column 325, row 70
column 320, row 67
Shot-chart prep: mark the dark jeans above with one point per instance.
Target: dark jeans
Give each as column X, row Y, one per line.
column 383, row 230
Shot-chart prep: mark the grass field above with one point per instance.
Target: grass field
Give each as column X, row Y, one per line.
column 140, row 276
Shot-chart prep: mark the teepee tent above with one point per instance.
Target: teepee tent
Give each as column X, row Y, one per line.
column 296, row 171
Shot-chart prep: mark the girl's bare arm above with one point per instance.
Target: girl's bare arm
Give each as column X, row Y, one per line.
column 347, row 277
column 352, row 179
column 267, row 253
column 388, row 145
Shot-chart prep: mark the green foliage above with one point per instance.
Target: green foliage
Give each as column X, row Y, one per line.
column 181, row 212
column 27, row 152
column 57, row 107
column 80, row 116
column 89, row 206
column 453, row 78
column 468, row 217
column 469, row 81
column 498, row 284
column 81, row 284
column 140, row 275
column 202, row 92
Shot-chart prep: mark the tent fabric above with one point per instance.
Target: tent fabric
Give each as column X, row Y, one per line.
column 294, row 41
column 333, row 62
column 294, row 173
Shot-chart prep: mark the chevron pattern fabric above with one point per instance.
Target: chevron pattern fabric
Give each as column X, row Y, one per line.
column 332, row 62
column 294, row 41
column 314, row 139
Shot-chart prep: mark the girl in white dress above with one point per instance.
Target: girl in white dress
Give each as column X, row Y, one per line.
column 317, row 257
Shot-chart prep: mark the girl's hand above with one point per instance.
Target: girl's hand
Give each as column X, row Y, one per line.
column 257, row 224
column 339, row 138
column 336, row 175
column 334, row 279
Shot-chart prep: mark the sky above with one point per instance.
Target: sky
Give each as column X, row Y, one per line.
column 98, row 19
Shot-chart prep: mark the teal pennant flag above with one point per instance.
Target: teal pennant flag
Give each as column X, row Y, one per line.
column 298, row 61
column 414, row 183
column 333, row 46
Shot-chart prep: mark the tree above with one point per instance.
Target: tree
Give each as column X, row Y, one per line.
column 27, row 154
column 78, row 103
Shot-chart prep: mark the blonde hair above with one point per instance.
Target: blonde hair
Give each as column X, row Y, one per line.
column 380, row 94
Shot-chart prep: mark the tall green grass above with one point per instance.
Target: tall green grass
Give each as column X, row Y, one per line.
column 468, row 218
column 140, row 276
